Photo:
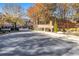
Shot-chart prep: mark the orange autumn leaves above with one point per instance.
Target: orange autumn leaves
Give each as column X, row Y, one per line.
column 38, row 11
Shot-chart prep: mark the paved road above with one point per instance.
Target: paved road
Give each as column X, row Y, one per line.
column 32, row 44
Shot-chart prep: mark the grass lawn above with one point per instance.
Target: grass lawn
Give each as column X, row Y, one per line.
column 77, row 34
column 73, row 33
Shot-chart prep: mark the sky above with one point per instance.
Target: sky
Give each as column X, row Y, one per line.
column 28, row 5
column 24, row 5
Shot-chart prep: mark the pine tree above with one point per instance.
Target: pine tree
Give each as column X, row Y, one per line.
column 55, row 26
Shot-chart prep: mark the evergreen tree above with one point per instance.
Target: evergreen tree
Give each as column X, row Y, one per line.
column 55, row 26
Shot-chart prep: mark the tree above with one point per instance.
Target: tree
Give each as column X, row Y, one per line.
column 41, row 12
column 76, row 8
column 13, row 13
column 50, row 12
column 55, row 26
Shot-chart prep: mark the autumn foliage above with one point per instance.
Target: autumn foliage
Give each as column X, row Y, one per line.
column 43, row 12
